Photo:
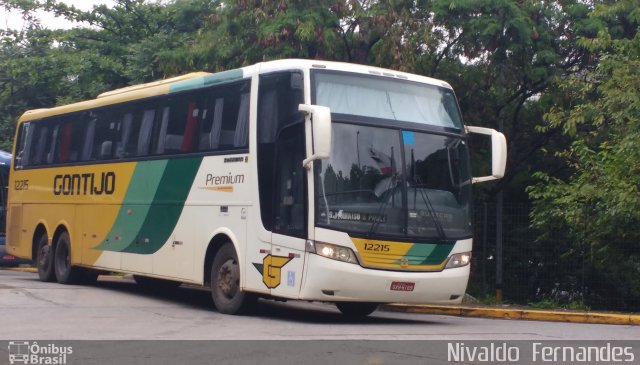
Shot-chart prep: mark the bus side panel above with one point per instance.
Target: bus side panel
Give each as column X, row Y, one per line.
column 175, row 258
column 96, row 220
column 18, row 244
column 183, row 255
column 55, row 215
column 217, row 205
column 85, row 199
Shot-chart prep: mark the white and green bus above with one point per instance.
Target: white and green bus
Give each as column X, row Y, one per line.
column 291, row 179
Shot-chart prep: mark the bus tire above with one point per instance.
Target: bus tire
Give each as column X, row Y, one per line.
column 356, row 309
column 225, row 283
column 44, row 259
column 65, row 273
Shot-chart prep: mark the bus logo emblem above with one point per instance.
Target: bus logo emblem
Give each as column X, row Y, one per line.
column 404, row 262
column 271, row 269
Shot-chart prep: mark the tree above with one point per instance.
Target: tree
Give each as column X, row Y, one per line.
column 132, row 42
column 598, row 205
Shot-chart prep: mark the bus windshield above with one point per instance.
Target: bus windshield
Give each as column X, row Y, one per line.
column 387, row 98
column 386, row 182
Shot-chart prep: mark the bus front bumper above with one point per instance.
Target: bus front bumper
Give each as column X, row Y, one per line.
column 336, row 281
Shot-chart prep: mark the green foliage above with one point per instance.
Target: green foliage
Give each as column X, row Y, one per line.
column 598, row 205
column 488, row 300
column 548, row 303
column 132, row 42
column 560, row 77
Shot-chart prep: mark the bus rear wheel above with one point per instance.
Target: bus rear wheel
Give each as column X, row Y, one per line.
column 225, row 283
column 356, row 309
column 44, row 260
column 65, row 273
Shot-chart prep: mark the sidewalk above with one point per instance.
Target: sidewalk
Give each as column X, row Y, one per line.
column 520, row 314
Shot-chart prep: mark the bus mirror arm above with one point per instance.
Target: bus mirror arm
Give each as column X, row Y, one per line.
column 498, row 153
column 320, row 131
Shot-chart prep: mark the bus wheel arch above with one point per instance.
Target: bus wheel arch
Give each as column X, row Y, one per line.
column 40, row 231
column 223, row 274
column 212, row 250
column 56, row 235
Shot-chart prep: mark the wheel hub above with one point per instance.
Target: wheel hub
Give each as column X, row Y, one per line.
column 228, row 278
column 44, row 255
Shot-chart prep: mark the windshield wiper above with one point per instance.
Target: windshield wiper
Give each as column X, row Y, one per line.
column 425, row 198
column 432, row 212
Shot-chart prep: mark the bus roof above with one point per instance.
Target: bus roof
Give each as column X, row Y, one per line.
column 201, row 79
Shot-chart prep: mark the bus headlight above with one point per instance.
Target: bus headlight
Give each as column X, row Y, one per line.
column 334, row 252
column 458, row 260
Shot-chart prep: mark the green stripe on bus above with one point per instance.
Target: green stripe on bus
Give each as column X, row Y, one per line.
column 167, row 206
column 203, row 81
column 427, row 253
column 439, row 254
column 135, row 206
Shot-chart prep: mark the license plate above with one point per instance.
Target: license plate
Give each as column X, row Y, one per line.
column 402, row 286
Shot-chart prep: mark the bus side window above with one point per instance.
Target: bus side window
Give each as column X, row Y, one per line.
column 179, row 126
column 193, row 114
column 89, row 135
column 41, row 137
column 235, row 117
column 106, row 132
column 241, row 133
column 125, row 131
column 25, row 136
column 70, row 139
column 145, row 133
column 160, row 142
column 211, row 124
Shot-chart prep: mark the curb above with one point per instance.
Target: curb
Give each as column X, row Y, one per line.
column 520, row 314
column 22, row 269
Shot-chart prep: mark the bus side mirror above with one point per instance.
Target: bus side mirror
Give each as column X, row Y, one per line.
column 321, row 129
column 498, row 153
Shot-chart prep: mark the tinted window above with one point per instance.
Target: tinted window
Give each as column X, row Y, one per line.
column 212, row 119
column 216, row 120
column 278, row 100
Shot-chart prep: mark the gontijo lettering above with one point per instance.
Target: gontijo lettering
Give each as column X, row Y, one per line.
column 85, row 184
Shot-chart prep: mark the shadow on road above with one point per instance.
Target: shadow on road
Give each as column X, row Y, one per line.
column 295, row 311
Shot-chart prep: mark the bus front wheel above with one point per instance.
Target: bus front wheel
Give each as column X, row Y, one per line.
column 44, row 260
column 225, row 283
column 356, row 309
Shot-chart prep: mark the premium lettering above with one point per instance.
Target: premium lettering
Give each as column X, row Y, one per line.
column 85, row 184
column 224, row 179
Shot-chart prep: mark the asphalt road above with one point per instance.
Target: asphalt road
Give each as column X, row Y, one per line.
column 117, row 309
column 104, row 323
